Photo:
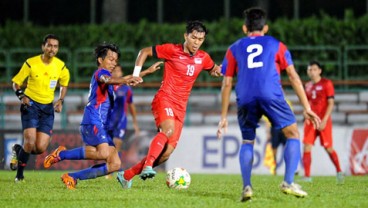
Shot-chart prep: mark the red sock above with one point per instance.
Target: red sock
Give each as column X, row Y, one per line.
column 135, row 170
column 157, row 145
column 335, row 160
column 307, row 161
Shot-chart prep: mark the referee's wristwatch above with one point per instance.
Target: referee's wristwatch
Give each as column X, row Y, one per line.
column 19, row 93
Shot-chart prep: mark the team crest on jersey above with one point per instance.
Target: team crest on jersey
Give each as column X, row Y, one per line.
column 198, row 60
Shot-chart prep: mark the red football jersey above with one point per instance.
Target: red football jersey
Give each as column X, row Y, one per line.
column 180, row 71
column 318, row 93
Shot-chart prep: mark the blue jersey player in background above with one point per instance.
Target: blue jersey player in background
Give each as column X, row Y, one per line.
column 123, row 101
column 94, row 126
column 257, row 61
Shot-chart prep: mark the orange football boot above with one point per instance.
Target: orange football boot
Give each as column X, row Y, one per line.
column 69, row 181
column 53, row 157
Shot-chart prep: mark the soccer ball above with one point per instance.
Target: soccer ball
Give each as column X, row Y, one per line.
column 178, row 178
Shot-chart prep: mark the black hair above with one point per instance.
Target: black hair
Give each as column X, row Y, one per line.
column 196, row 25
column 49, row 36
column 314, row 62
column 102, row 49
column 254, row 19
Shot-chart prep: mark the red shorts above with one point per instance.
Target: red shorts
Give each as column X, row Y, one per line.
column 310, row 134
column 162, row 110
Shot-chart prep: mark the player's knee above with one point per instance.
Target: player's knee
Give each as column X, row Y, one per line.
column 329, row 149
column 29, row 146
column 103, row 154
column 29, row 136
column 247, row 141
column 39, row 150
column 168, row 128
column 307, row 147
column 169, row 132
column 291, row 132
column 114, row 166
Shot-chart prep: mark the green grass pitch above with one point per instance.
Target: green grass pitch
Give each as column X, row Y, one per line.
column 45, row 189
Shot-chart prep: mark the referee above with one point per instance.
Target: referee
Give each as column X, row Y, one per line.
column 44, row 72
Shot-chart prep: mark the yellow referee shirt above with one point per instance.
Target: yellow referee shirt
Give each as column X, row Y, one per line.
column 42, row 78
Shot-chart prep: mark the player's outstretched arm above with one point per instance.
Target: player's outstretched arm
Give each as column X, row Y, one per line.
column 225, row 100
column 141, row 58
column 216, row 71
column 151, row 69
column 297, row 85
column 128, row 80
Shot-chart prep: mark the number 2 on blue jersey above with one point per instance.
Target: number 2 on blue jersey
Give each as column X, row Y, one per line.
column 254, row 50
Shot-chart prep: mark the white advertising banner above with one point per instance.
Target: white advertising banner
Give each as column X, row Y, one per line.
column 199, row 151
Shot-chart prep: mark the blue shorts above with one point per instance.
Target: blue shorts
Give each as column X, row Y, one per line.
column 93, row 135
column 118, row 133
column 277, row 137
column 118, row 129
column 39, row 116
column 277, row 111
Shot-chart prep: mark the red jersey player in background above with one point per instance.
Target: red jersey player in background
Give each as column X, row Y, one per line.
column 183, row 63
column 320, row 92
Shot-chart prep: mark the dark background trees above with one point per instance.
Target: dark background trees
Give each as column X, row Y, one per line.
column 64, row 12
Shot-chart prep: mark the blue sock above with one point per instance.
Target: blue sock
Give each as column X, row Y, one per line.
column 73, row 154
column 292, row 158
column 91, row 172
column 246, row 163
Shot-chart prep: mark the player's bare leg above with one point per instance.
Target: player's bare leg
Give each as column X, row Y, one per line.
column 118, row 145
column 158, row 143
column 33, row 140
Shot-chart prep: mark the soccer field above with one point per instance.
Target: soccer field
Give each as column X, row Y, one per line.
column 45, row 189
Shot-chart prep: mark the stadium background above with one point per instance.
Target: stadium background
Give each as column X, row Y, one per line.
column 335, row 34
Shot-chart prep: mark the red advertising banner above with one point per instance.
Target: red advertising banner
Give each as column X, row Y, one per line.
column 358, row 155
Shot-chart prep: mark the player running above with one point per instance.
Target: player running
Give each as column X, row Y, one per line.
column 183, row 63
column 43, row 74
column 94, row 126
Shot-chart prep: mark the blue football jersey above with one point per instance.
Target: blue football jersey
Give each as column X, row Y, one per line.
column 123, row 96
column 100, row 100
column 257, row 76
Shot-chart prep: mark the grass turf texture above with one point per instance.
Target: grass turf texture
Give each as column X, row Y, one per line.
column 45, row 189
